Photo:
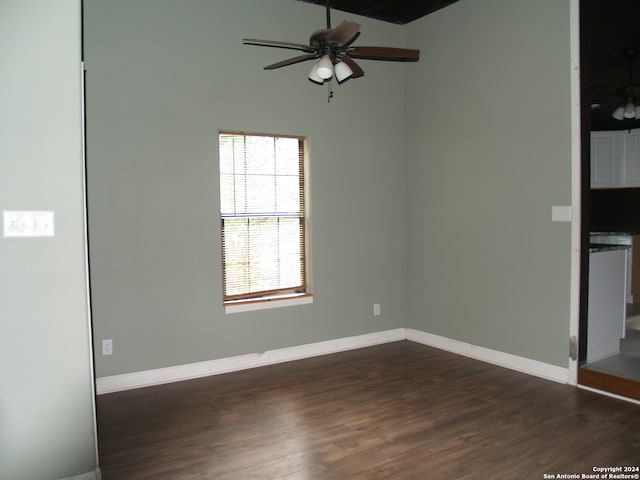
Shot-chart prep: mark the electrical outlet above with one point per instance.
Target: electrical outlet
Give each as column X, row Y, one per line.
column 107, row 347
column 376, row 309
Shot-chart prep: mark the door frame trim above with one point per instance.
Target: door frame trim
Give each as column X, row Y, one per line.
column 577, row 227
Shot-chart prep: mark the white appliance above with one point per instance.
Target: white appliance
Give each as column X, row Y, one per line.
column 617, row 239
column 607, row 308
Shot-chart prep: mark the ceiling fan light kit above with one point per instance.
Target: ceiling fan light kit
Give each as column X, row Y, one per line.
column 342, row 71
column 618, row 113
column 629, row 107
column 332, row 50
column 630, row 110
column 325, row 68
column 313, row 75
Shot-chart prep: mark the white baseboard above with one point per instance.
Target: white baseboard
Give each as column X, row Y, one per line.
column 513, row 362
column 128, row 381
column 94, row 475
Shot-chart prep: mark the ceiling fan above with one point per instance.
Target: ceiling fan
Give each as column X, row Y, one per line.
column 333, row 50
column 626, row 101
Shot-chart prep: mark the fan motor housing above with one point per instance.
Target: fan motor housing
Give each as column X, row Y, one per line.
column 319, row 37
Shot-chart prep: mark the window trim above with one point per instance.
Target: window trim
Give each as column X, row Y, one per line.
column 264, row 303
column 282, row 298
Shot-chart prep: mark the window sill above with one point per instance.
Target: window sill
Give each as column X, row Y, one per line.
column 268, row 302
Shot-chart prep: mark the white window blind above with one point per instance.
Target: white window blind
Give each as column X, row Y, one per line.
column 262, row 215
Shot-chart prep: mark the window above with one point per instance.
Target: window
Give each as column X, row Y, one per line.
column 262, row 199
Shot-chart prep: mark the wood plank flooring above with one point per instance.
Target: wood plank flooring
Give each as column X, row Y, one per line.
column 395, row 411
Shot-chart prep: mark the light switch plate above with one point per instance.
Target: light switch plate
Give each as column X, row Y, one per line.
column 28, row 223
column 561, row 214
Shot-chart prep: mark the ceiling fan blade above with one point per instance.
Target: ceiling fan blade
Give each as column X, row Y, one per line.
column 291, row 61
column 355, row 68
column 277, row 44
column 597, row 104
column 385, row 53
column 345, row 33
column 353, row 39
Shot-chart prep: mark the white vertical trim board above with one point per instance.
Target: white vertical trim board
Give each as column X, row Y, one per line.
column 576, row 181
column 160, row 376
column 507, row 360
column 87, row 283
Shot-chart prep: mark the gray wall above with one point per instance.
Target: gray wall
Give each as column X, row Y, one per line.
column 163, row 78
column 46, row 395
column 488, row 117
column 431, row 183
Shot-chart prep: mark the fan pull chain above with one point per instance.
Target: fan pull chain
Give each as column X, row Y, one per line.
column 330, row 91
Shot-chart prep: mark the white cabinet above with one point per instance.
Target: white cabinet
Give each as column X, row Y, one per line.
column 630, row 168
column 615, row 159
column 607, row 303
column 605, row 150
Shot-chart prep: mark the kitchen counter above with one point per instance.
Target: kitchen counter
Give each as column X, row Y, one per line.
column 603, row 247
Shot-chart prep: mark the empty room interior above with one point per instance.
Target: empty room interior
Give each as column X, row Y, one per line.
column 427, row 192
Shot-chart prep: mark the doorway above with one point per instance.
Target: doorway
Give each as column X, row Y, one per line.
column 610, row 60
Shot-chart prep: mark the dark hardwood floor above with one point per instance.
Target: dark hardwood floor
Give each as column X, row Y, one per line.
column 394, row 411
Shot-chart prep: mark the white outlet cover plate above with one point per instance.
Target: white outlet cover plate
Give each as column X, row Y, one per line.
column 107, row 347
column 32, row 223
